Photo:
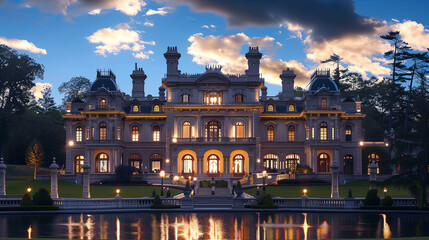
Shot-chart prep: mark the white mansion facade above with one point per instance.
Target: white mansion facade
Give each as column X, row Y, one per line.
column 213, row 124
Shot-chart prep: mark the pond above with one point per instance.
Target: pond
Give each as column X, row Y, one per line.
column 218, row 225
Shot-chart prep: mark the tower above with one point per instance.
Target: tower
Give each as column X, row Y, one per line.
column 253, row 60
column 287, row 77
column 172, row 60
column 138, row 77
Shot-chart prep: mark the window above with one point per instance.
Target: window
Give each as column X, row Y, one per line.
column 291, row 133
column 348, row 164
column 213, row 131
column 239, row 130
column 186, row 130
column 323, row 131
column 185, row 98
column 238, row 166
column 156, row 108
column 113, row 133
column 155, row 162
column 102, row 104
column 79, row 133
column 135, row 160
column 291, row 108
column 213, row 98
column 118, row 133
column 135, row 134
column 92, row 133
column 102, row 163
column 373, row 157
column 238, row 98
column 135, row 108
column 292, row 160
column 79, row 160
column 87, row 133
column 333, row 133
column 155, row 134
column 348, row 133
column 323, row 163
column 213, row 161
column 270, row 108
column 103, row 131
column 270, row 133
column 188, row 164
column 312, row 133
column 323, row 103
column 270, row 162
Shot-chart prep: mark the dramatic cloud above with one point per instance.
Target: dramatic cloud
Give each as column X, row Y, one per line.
column 414, row 34
column 225, row 50
column 327, row 19
column 160, row 11
column 38, row 89
column 114, row 40
column 22, row 45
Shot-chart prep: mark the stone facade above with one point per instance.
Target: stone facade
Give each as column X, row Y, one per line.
column 213, row 124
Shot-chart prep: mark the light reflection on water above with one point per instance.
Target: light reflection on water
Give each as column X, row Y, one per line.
column 227, row 225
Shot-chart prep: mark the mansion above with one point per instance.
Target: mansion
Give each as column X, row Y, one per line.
column 212, row 124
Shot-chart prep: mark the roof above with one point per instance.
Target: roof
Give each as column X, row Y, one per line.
column 322, row 82
column 104, row 82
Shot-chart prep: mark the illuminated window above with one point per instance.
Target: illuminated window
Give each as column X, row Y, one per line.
column 102, row 163
column 323, row 131
column 348, row 164
column 79, row 133
column 155, row 162
column 312, row 133
column 213, row 161
column 213, row 98
column 87, row 133
column 348, row 133
column 323, row 103
column 79, row 160
column 373, row 157
column 135, row 160
column 239, row 130
column 188, row 163
column 156, row 108
column 135, row 108
column 238, row 166
column 102, row 104
column 135, row 134
column 155, row 134
column 270, row 133
column 118, row 133
column 292, row 160
column 333, row 133
column 291, row 108
column 323, row 163
column 213, row 131
column 291, row 133
column 103, row 131
column 270, row 162
column 185, row 98
column 270, row 108
column 92, row 133
column 238, row 98
column 186, row 130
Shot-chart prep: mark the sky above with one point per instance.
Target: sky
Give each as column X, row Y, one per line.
column 76, row 37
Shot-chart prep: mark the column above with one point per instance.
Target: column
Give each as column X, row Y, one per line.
column 312, row 160
column 201, row 168
column 334, row 181
column 197, row 167
column 226, row 166
column 54, row 179
column 112, row 159
column 372, row 175
column 2, row 178
column 86, row 191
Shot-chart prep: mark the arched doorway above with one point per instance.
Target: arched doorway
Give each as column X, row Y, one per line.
column 102, row 163
column 188, row 164
column 270, row 162
column 155, row 163
column 292, row 160
column 135, row 160
column 79, row 160
column 238, row 164
column 373, row 157
column 213, row 131
column 348, row 164
column 323, row 163
column 213, row 162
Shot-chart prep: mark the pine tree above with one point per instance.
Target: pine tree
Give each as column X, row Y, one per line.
column 338, row 74
column 34, row 156
column 47, row 103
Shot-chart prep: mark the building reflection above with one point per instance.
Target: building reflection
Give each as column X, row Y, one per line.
column 29, row 230
column 386, row 228
column 81, row 229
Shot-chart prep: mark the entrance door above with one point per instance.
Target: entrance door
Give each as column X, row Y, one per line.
column 213, row 161
column 323, row 163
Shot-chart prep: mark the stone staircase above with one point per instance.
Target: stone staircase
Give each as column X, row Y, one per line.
column 222, row 199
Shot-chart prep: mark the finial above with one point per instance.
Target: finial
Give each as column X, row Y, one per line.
column 136, row 66
column 54, row 160
column 1, row 160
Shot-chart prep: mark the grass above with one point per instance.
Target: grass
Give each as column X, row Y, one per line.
column 359, row 189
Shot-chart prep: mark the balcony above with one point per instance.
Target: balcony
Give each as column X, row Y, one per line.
column 101, row 108
column 214, row 140
column 323, row 142
column 104, row 142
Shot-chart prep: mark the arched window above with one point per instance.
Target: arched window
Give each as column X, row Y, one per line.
column 323, row 131
column 102, row 163
column 238, row 164
column 213, row 98
column 135, row 108
column 238, row 98
column 213, row 131
column 103, row 104
column 291, row 161
column 186, row 130
column 185, row 98
column 270, row 133
column 323, row 163
column 270, row 162
column 291, row 108
column 103, row 131
column 135, row 134
column 79, row 134
column 270, row 108
column 156, row 133
column 323, row 103
column 156, row 108
column 135, row 160
column 155, row 162
column 348, row 164
column 188, row 163
column 239, row 130
column 373, row 157
column 79, row 160
column 348, row 133
column 291, row 133
column 213, row 161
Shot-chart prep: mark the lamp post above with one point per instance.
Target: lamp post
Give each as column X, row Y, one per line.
column 264, row 174
column 162, row 174
column 304, row 191
column 29, row 190
column 385, row 192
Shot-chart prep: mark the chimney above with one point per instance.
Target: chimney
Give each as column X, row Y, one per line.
column 139, row 78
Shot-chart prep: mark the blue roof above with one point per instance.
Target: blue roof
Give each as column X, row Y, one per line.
column 106, row 83
column 321, row 82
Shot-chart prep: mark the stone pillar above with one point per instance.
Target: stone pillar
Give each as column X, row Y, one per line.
column 86, row 191
column 2, row 178
column 372, row 175
column 334, row 181
column 54, row 179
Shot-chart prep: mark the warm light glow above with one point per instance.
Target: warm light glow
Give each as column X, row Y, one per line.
column 29, row 230
column 29, row 189
column 118, row 190
column 258, row 160
column 175, row 178
column 167, row 160
column 361, row 143
column 304, row 190
column 162, row 173
column 387, row 144
column 269, row 177
column 387, row 234
column 174, row 140
column 264, row 173
column 385, row 190
column 195, row 179
column 71, row 143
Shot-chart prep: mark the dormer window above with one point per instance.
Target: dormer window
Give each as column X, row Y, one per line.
column 103, row 104
column 291, row 108
column 135, row 108
column 238, row 98
column 324, row 103
column 185, row 98
column 156, row 108
column 270, row 108
column 213, row 98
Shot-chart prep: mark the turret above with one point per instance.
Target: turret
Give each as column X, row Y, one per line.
column 172, row 60
column 138, row 77
column 253, row 60
column 161, row 93
column 287, row 77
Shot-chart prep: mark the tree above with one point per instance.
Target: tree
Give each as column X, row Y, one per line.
column 35, row 155
column 76, row 87
column 47, row 103
column 336, row 59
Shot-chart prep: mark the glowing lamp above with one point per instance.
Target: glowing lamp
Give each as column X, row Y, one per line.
column 258, row 160
column 387, row 144
column 118, row 191
column 176, row 178
column 162, row 173
column 304, row 191
column 361, row 143
column 195, row 179
column 264, row 173
column 385, row 190
column 167, row 160
column 71, row 143
column 29, row 189
column 174, row 140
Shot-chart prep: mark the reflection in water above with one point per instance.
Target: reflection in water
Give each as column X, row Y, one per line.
column 305, row 226
column 29, row 232
column 322, row 231
column 386, row 229
column 82, row 226
column 215, row 228
column 118, row 229
column 187, row 229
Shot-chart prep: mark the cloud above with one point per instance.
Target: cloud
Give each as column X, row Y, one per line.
column 413, row 33
column 160, row 11
column 148, row 24
column 225, row 50
column 142, row 55
column 212, row 27
column 22, row 45
column 111, row 40
column 38, row 89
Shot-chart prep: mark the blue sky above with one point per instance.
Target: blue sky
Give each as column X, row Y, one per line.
column 63, row 35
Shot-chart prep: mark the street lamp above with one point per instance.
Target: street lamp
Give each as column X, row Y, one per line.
column 29, row 189
column 118, row 191
column 264, row 174
column 162, row 174
column 385, row 192
column 304, row 191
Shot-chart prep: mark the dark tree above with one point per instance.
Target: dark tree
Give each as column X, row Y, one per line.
column 76, row 87
column 47, row 103
column 338, row 74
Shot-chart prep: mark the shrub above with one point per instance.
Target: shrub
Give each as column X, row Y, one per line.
column 238, row 185
column 157, row 201
column 372, row 198
column 123, row 173
column 42, row 198
column 221, row 183
column 303, row 169
column 387, row 201
column 26, row 201
column 288, row 181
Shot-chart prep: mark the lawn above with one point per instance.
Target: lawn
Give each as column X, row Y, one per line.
column 359, row 189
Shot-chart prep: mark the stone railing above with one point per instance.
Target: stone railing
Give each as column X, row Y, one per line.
column 10, row 202
column 216, row 140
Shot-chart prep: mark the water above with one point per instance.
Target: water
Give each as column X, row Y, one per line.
column 227, row 225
